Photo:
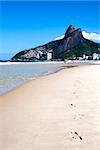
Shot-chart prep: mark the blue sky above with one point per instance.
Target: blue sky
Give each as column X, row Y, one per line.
column 26, row 24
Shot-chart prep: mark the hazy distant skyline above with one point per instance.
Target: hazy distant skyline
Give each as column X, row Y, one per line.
column 29, row 24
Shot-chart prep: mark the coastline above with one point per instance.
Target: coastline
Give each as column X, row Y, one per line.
column 58, row 111
column 24, row 74
column 58, row 66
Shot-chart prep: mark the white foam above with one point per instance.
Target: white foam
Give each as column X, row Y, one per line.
column 45, row 62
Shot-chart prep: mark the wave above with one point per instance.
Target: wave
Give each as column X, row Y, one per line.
column 45, row 62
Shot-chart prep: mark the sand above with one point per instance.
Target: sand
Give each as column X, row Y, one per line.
column 60, row 111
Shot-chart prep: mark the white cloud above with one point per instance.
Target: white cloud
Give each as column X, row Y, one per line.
column 91, row 36
column 59, row 37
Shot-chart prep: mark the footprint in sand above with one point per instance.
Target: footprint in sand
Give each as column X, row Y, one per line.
column 72, row 105
column 75, row 136
column 78, row 116
column 75, row 95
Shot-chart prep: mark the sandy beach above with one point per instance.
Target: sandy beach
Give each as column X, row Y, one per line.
column 60, row 111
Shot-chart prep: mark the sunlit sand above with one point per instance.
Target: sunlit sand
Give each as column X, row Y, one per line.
column 60, row 111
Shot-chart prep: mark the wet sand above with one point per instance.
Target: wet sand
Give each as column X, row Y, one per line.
column 60, row 111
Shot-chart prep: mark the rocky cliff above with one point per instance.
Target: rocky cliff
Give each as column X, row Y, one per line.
column 62, row 48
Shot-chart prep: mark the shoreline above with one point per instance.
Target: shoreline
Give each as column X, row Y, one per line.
column 39, row 76
column 62, row 65
column 53, row 112
column 55, row 66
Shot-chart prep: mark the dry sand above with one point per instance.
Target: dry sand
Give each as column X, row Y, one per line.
column 56, row 112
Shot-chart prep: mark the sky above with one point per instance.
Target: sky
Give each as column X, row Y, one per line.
column 27, row 24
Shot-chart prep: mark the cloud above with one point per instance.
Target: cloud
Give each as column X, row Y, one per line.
column 91, row 36
column 59, row 37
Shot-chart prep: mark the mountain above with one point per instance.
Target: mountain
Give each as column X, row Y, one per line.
column 72, row 45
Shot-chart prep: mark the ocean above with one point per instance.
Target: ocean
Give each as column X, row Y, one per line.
column 15, row 74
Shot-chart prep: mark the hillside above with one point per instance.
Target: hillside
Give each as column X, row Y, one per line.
column 72, row 45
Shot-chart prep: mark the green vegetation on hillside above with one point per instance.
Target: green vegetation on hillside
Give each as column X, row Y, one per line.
column 86, row 48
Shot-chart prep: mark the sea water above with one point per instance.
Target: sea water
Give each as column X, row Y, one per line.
column 15, row 74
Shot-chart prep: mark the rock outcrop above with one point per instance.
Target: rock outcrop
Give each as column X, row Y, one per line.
column 72, row 39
